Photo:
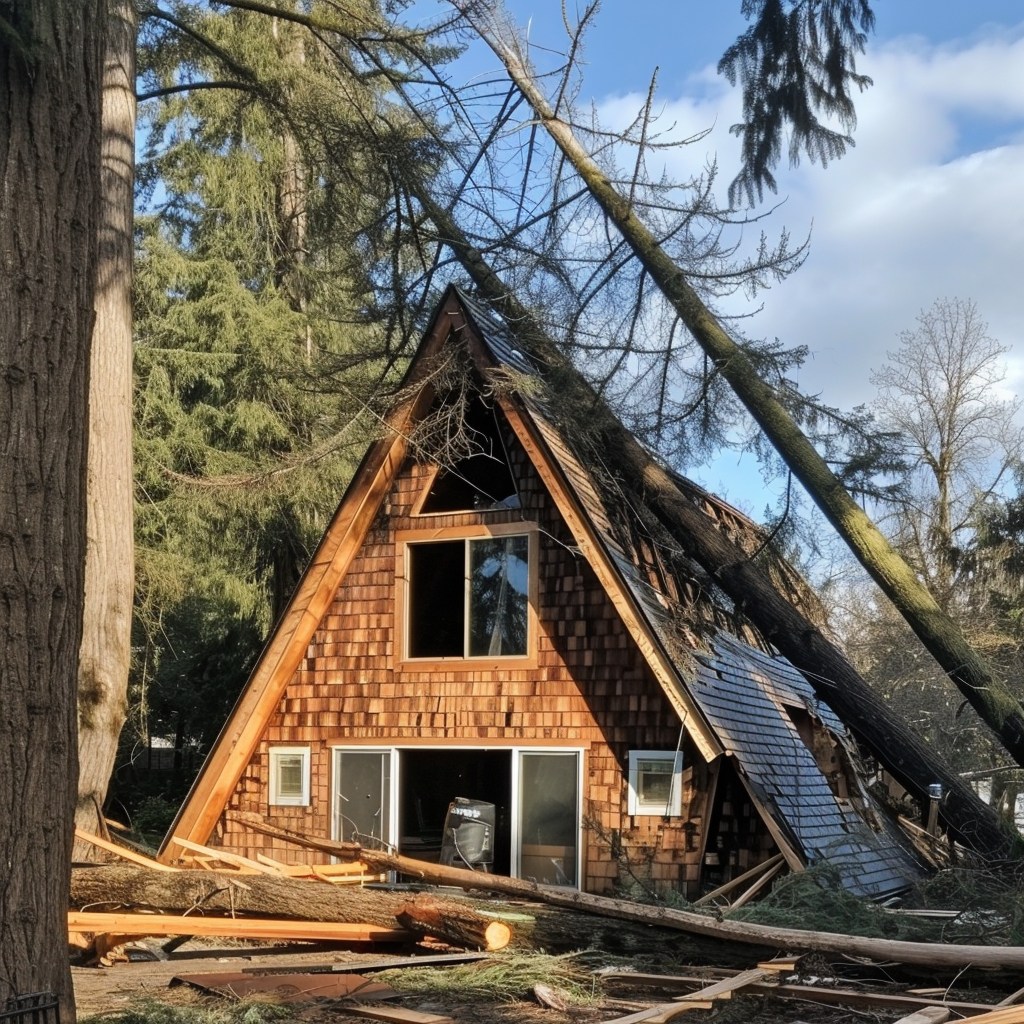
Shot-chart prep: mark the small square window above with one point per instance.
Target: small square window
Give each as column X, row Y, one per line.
column 289, row 776
column 655, row 782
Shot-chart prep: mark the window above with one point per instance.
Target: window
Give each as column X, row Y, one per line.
column 289, row 776
column 655, row 782
column 469, row 598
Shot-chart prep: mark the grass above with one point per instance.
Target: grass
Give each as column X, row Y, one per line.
column 506, row 977
column 152, row 1011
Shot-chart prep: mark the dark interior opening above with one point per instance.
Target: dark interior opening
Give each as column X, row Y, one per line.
column 437, row 599
column 481, row 481
column 432, row 779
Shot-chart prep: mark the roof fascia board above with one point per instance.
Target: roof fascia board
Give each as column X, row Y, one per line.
column 316, row 590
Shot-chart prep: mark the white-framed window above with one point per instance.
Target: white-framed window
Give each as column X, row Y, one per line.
column 289, row 776
column 655, row 782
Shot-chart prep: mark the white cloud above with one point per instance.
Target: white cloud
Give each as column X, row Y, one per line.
column 928, row 205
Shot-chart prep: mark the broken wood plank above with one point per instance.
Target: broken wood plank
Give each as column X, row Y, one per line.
column 396, row 1015
column 1012, row 998
column 226, row 857
column 924, row 953
column 1006, row 1015
column 750, row 893
column 702, row 999
column 121, row 851
column 929, row 1015
column 236, row 927
column 370, row 966
column 725, row 988
column 758, row 869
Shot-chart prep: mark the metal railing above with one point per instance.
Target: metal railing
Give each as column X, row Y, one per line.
column 34, row 1008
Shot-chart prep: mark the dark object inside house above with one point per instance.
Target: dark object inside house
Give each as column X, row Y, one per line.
column 469, row 834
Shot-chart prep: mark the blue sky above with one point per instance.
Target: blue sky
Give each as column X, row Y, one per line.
column 928, row 205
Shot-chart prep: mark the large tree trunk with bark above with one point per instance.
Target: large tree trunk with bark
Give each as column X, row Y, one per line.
column 109, row 562
column 789, row 939
column 116, row 888
column 985, row 692
column 51, row 54
column 895, row 745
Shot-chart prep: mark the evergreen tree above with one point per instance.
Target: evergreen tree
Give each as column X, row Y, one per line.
column 260, row 342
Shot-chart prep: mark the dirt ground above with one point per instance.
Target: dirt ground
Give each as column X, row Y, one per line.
column 100, row 990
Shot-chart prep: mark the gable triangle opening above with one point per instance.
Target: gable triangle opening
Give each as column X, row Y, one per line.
column 480, row 480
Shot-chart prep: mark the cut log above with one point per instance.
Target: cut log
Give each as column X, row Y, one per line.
column 115, row 887
column 464, row 928
column 790, row 939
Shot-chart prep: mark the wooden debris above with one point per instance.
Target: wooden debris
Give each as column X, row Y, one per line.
column 929, row 1015
column 396, row 1015
column 736, row 882
column 117, row 887
column 924, row 953
column 250, row 928
column 370, row 966
column 1006, row 1015
column 292, row 987
column 550, row 998
column 1012, row 998
column 122, row 851
column 702, row 999
column 226, row 857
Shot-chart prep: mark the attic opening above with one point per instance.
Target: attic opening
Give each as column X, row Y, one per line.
column 479, row 480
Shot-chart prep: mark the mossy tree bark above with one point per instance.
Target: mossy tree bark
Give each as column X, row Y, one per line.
column 109, row 562
column 986, row 693
column 51, row 59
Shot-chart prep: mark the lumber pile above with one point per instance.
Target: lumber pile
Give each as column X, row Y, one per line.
column 248, row 899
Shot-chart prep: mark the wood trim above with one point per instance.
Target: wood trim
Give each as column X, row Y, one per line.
column 316, row 590
column 473, row 531
column 594, row 551
column 792, row 857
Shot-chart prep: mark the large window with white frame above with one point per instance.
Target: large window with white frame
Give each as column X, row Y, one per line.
column 469, row 597
column 289, row 776
column 655, row 782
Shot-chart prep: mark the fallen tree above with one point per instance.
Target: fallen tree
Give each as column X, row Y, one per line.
column 196, row 892
column 788, row 939
column 747, row 581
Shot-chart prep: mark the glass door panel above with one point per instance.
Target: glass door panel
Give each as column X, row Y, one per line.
column 362, row 795
column 549, row 817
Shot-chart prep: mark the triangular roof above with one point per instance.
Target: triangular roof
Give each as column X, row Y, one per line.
column 714, row 682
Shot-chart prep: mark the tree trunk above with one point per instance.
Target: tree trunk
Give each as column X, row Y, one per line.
column 109, row 562
column 986, row 693
column 51, row 58
column 791, row 939
column 115, row 888
column 895, row 745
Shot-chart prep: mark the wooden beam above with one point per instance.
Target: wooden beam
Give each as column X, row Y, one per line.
column 121, row 851
column 702, row 999
column 929, row 1015
column 236, row 927
column 735, row 883
column 227, row 857
column 757, row 886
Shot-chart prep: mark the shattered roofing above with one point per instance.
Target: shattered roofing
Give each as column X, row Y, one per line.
column 742, row 689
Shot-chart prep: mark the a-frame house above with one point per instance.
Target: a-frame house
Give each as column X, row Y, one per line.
column 489, row 617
